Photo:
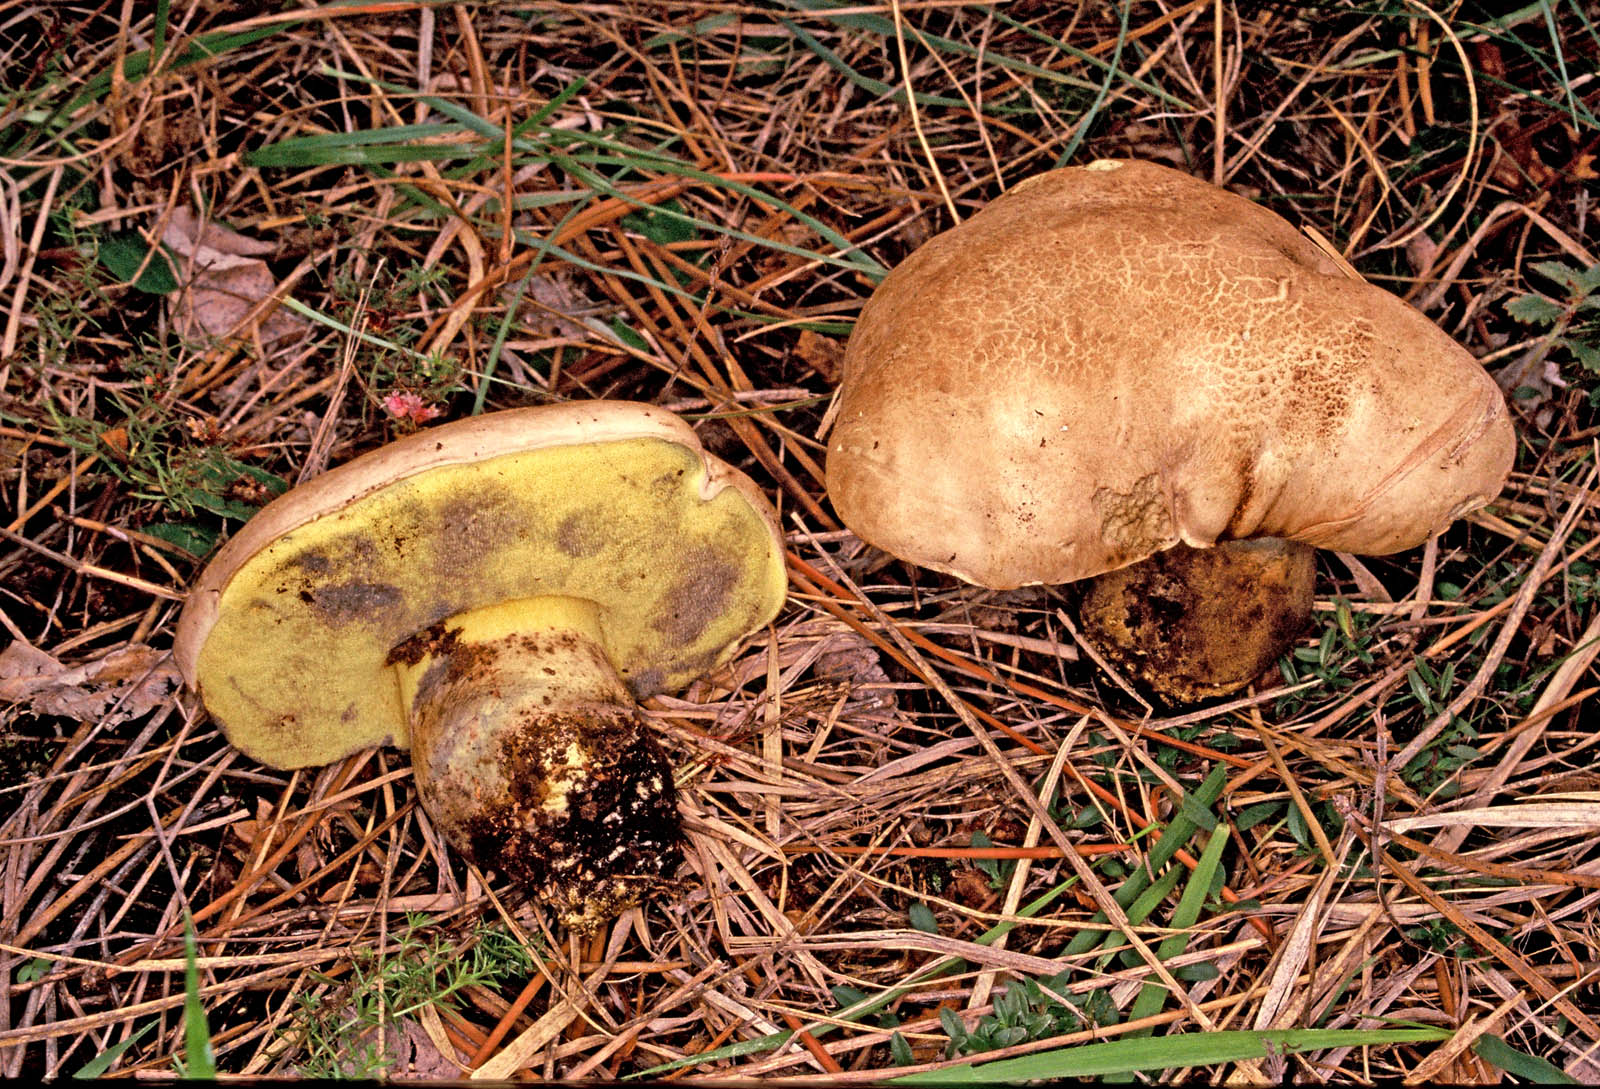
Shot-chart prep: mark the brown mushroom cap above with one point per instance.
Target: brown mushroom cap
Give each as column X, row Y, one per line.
column 288, row 633
column 1108, row 360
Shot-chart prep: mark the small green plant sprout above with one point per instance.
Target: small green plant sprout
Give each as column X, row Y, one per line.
column 336, row 1025
column 177, row 461
column 1026, row 1011
column 1433, row 769
column 34, row 969
column 1343, row 651
column 1569, row 317
column 998, row 871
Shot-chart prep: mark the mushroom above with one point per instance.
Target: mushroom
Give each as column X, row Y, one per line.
column 1120, row 363
column 494, row 594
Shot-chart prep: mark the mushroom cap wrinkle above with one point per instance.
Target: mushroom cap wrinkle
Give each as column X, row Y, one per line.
column 1109, row 360
column 288, row 633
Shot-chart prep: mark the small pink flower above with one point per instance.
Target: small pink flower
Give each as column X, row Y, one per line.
column 409, row 406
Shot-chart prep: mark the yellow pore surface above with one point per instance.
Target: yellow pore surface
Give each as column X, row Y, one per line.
column 295, row 667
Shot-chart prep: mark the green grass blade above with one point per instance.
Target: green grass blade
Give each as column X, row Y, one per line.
column 1095, row 62
column 1587, row 19
column 496, row 147
column 1561, row 59
column 1146, row 903
column 1178, row 832
column 47, row 116
column 102, row 1062
column 552, row 145
column 1153, row 995
column 204, row 48
column 368, row 147
column 869, row 1005
column 1081, row 129
column 198, row 1060
column 158, row 39
column 502, row 331
column 1168, row 1053
column 882, row 26
column 1499, row 31
column 1519, row 1064
column 298, row 307
column 875, row 87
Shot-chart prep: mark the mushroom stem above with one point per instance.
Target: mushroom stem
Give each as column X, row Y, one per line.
column 1197, row 623
column 529, row 754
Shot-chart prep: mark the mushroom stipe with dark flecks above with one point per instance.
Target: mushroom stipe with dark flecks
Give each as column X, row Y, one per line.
column 1112, row 360
column 1196, row 623
column 494, row 594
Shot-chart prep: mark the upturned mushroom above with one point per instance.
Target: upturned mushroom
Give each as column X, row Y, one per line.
column 494, row 594
column 1121, row 373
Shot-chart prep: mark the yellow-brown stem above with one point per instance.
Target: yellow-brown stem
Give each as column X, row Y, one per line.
column 530, row 758
column 1195, row 623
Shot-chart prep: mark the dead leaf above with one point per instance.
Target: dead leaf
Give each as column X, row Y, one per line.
column 409, row 1054
column 247, row 845
column 821, row 354
column 1421, row 252
column 1585, row 1069
column 1533, row 381
column 12, row 451
column 552, row 305
column 851, row 659
column 224, row 279
column 123, row 684
column 116, row 440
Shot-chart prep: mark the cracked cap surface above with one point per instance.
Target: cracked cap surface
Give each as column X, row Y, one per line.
column 1111, row 359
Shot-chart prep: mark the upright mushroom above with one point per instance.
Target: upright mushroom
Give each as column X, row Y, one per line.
column 494, row 594
column 1117, row 362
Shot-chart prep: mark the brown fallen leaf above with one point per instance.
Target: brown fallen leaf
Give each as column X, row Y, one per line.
column 851, row 659
column 224, row 278
column 553, row 305
column 126, row 683
column 408, row 1055
column 116, row 441
column 1533, row 381
column 821, row 354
